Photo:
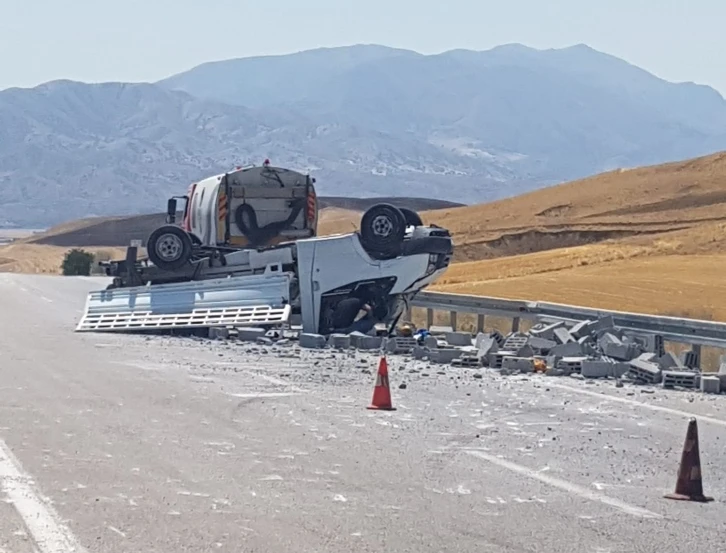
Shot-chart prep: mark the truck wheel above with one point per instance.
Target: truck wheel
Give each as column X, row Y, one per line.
column 382, row 229
column 412, row 218
column 169, row 247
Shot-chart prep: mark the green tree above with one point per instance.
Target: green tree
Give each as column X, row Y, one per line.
column 77, row 262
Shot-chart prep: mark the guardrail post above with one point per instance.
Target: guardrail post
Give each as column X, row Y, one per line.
column 515, row 324
column 479, row 323
column 452, row 320
column 429, row 318
column 696, row 349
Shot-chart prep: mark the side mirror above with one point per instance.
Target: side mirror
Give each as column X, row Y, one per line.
column 171, row 210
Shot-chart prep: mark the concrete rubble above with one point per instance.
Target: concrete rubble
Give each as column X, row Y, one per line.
column 586, row 349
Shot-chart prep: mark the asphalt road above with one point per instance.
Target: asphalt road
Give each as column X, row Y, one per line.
column 130, row 444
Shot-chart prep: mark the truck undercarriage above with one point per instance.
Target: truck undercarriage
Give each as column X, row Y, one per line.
column 389, row 260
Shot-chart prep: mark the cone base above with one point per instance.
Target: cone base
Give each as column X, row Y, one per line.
column 682, row 497
column 381, row 408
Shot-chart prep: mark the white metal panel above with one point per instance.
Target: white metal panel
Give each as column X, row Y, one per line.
column 239, row 301
column 204, row 209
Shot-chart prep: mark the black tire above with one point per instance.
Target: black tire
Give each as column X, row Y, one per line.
column 169, row 247
column 412, row 218
column 382, row 229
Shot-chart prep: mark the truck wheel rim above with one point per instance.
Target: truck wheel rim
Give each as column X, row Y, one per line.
column 169, row 247
column 382, row 226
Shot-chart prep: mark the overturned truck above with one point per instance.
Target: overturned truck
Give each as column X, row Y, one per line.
column 200, row 276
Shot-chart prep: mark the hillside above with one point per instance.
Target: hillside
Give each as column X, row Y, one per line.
column 365, row 120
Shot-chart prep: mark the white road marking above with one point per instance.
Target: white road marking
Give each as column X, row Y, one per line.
column 659, row 408
column 566, row 486
column 43, row 523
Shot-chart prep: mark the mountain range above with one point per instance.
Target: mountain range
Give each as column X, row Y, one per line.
column 365, row 120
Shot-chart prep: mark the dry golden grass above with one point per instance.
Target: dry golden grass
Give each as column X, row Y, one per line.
column 40, row 259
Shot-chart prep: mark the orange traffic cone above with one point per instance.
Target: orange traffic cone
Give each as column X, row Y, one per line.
column 382, row 392
column 689, row 486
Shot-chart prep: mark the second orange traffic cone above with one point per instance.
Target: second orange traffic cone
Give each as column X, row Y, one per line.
column 382, row 391
column 689, row 486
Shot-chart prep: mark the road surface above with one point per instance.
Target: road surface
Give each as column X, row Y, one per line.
column 131, row 444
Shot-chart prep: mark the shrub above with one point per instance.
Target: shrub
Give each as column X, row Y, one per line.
column 77, row 262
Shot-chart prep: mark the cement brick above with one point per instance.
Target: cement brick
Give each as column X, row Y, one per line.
column 541, row 344
column 710, row 384
column 522, row 364
column 648, row 356
column 682, row 379
column 339, row 341
column 554, row 372
column 420, row 352
column 459, row 338
column 400, row 345
column 515, row 341
column 571, row 364
column 645, row 371
column 480, row 337
column 466, row 360
column 622, row 352
column 432, row 342
column 496, row 358
column 548, row 331
column 563, row 336
column 439, row 330
column 356, row 338
column 604, row 323
column 669, row 361
column 444, row 355
column 582, row 329
column 572, row 349
column 552, row 360
column 691, row 359
column 608, row 338
column 498, row 336
column 250, row 334
column 370, row 342
column 218, row 333
column 525, row 351
column 595, row 368
column 312, row 341
column 487, row 346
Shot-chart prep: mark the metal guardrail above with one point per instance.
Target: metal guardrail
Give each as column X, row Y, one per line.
column 674, row 329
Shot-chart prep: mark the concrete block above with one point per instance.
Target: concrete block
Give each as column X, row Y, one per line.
column 722, row 368
column 339, row 341
column 691, row 359
column 541, row 345
column 669, row 361
column 356, row 338
column 498, row 336
column 496, row 358
column 563, row 336
column 622, row 352
column 273, row 334
column 582, row 329
column 439, row 330
column 645, row 371
column 648, row 356
column 522, row 364
column 515, row 341
column 312, row 341
column 604, row 323
column 595, row 368
column 370, row 342
column 682, row 379
column 420, row 352
column 554, row 372
column 250, row 334
column 480, row 337
column 399, row 345
column 525, row 351
column 432, row 342
column 710, row 384
column 466, row 360
column 444, row 355
column 572, row 349
column 571, row 365
column 218, row 333
column 459, row 338
column 608, row 338
column 552, row 360
column 487, row 346
column 547, row 332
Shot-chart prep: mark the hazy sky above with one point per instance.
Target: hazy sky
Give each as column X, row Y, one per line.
column 134, row 40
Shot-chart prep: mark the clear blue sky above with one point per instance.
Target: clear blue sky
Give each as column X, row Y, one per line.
column 134, row 40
